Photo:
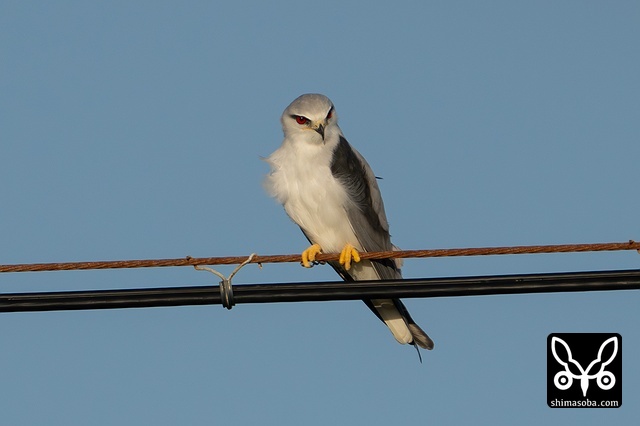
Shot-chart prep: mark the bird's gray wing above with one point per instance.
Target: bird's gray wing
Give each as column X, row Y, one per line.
column 368, row 220
column 365, row 208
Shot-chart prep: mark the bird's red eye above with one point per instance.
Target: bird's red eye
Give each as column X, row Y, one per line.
column 301, row 120
column 330, row 114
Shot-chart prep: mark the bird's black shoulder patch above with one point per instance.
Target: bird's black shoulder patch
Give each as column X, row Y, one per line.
column 349, row 170
column 345, row 164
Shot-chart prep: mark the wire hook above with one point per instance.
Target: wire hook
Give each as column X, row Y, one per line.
column 226, row 288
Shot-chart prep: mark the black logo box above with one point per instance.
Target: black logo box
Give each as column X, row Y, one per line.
column 584, row 363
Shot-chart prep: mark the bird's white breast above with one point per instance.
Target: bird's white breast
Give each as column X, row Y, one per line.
column 301, row 180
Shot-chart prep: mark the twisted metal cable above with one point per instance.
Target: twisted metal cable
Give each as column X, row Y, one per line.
column 235, row 260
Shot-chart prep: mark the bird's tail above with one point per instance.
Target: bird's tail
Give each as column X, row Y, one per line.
column 402, row 326
column 420, row 338
column 391, row 311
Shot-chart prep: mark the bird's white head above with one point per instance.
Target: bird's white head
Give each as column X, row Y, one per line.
column 310, row 118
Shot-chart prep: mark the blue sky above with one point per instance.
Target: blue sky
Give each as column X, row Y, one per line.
column 132, row 130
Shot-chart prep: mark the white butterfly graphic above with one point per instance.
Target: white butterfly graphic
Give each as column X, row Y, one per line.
column 564, row 379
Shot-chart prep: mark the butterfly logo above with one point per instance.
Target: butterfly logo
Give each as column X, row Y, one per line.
column 573, row 370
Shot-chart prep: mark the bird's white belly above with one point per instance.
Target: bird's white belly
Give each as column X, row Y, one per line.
column 301, row 180
column 316, row 204
column 315, row 200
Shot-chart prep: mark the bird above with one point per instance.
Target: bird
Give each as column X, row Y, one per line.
column 329, row 190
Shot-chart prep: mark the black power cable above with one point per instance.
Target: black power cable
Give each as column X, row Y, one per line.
column 324, row 291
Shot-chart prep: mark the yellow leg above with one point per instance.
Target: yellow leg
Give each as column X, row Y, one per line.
column 309, row 255
column 348, row 254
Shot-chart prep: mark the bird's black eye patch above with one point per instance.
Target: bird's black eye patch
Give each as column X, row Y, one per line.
column 300, row 119
column 330, row 113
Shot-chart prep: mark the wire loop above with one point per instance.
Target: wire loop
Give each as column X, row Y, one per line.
column 226, row 294
column 226, row 288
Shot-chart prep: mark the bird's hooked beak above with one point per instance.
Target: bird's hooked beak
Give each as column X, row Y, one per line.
column 320, row 129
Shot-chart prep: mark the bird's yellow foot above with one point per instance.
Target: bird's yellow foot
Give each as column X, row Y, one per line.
column 309, row 255
column 348, row 254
